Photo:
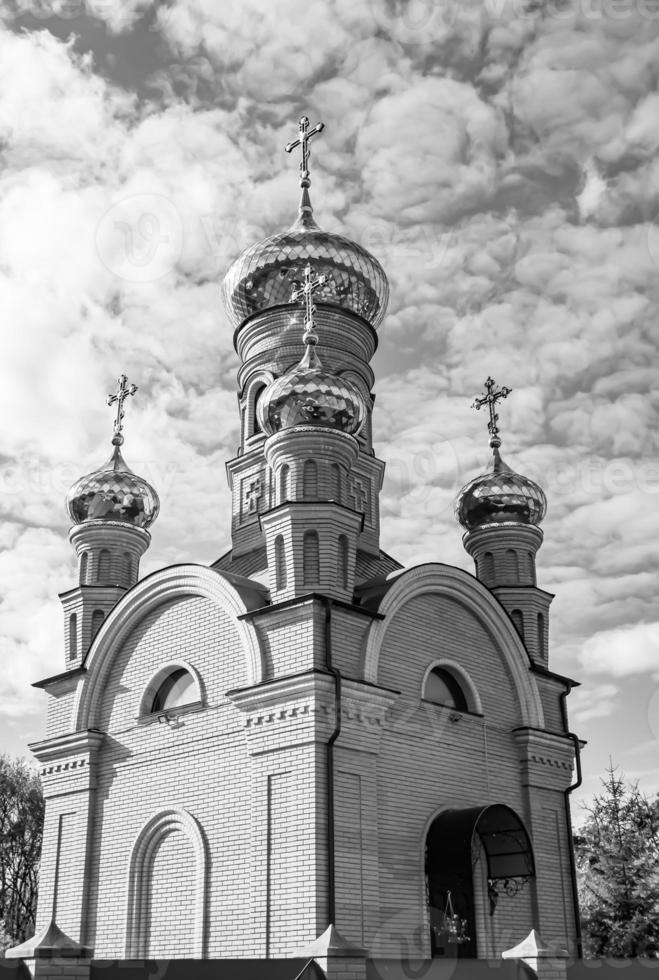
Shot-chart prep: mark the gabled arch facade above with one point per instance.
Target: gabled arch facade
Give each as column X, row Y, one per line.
column 463, row 588
column 176, row 582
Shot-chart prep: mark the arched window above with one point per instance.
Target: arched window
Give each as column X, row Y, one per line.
column 488, row 567
column 97, row 621
column 280, row 563
column 128, row 568
column 342, row 562
column 531, row 567
column 284, row 483
column 310, row 558
column 310, row 480
column 441, row 687
column 84, row 559
column 518, row 621
column 541, row 635
column 177, row 689
column 258, row 391
column 512, row 563
column 103, row 570
column 73, row 636
column 335, row 483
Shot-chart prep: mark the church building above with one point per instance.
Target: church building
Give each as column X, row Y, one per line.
column 305, row 734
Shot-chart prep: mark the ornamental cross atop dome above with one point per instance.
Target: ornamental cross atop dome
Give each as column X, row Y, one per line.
column 303, row 141
column 490, row 398
column 124, row 390
column 305, row 292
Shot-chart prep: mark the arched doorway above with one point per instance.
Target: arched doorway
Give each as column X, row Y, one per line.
column 454, row 842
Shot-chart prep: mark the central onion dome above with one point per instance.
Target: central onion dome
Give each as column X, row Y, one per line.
column 113, row 493
column 500, row 495
column 266, row 273
column 309, row 395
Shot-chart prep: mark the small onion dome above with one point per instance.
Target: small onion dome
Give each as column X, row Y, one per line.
column 309, row 395
column 498, row 496
column 113, row 493
column 266, row 273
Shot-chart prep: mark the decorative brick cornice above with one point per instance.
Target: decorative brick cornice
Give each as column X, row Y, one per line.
column 291, row 711
column 546, row 759
column 363, row 711
column 67, row 761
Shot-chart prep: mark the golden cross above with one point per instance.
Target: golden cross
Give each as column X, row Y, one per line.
column 303, row 141
column 490, row 399
column 120, row 396
column 306, row 292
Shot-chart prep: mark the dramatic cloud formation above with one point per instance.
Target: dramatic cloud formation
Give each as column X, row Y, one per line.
column 499, row 159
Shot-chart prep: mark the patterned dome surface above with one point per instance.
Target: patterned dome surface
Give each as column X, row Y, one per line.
column 113, row 493
column 309, row 395
column 266, row 274
column 500, row 495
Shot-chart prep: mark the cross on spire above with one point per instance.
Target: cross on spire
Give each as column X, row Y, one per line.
column 123, row 391
column 490, row 398
column 305, row 292
column 303, row 141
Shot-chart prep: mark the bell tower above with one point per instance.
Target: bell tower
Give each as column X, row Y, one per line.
column 265, row 294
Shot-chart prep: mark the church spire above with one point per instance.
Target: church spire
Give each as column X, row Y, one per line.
column 305, row 217
column 124, row 391
column 490, row 398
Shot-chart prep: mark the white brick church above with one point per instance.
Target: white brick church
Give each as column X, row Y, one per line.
column 305, row 733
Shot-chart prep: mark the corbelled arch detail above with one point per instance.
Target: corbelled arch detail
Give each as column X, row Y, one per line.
column 142, row 856
column 456, row 584
column 175, row 582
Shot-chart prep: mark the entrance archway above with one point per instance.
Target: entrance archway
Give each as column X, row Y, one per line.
column 455, row 841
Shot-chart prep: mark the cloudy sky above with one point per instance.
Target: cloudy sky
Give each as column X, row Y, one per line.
column 498, row 156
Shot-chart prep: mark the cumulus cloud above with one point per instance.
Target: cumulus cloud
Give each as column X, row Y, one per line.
column 626, row 650
column 499, row 159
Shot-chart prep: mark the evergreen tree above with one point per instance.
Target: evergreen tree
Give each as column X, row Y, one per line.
column 617, row 856
column 21, row 824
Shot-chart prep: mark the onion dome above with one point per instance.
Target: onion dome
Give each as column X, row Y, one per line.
column 266, row 273
column 113, row 493
column 309, row 395
column 498, row 496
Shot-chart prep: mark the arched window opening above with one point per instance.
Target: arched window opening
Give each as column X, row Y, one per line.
column 342, row 562
column 541, row 635
column 441, row 687
column 176, row 690
column 97, row 621
column 84, row 560
column 512, row 563
column 256, row 395
column 310, row 558
column 128, row 568
column 531, row 563
column 103, row 571
column 284, row 483
column 335, row 483
column 73, row 636
column 280, row 563
column 310, row 480
column 488, row 567
column 518, row 621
